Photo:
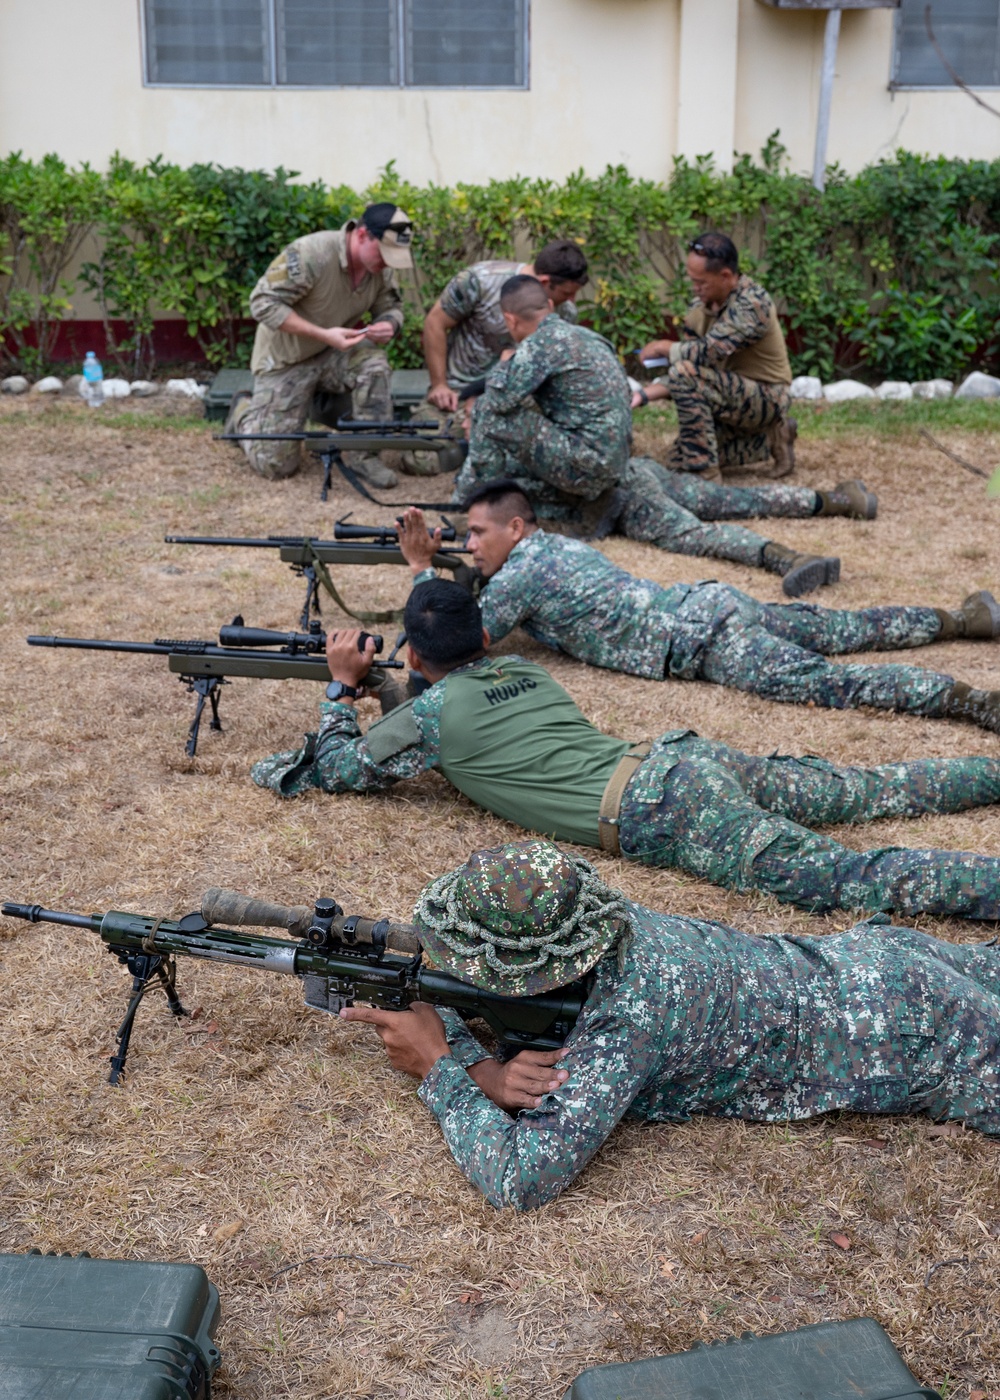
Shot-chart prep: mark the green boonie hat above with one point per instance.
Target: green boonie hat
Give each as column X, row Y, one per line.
column 520, row 919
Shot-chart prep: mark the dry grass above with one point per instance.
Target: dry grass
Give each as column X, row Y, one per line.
column 261, row 1135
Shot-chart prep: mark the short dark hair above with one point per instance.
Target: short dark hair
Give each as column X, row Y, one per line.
column 522, row 295
column 561, row 261
column 505, row 493
column 717, row 250
column 443, row 623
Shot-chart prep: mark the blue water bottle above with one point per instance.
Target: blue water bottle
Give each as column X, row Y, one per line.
column 93, row 376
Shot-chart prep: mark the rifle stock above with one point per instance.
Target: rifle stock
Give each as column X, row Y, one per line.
column 340, row 959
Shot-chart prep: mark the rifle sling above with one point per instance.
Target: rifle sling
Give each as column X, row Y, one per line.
column 394, row 615
column 611, row 802
column 353, row 479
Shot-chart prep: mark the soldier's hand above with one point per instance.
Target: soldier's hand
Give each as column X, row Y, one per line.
column 417, row 547
column 380, row 332
column 344, row 337
column 346, row 662
column 523, row 1081
column 442, row 396
column 655, row 350
column 414, row 1039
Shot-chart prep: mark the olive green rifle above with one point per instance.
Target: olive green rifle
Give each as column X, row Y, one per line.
column 341, row 959
column 352, row 545
column 256, row 652
column 329, row 445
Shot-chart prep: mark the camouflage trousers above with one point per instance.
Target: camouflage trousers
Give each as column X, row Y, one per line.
column 419, row 463
column 554, row 461
column 281, row 400
column 740, row 822
column 779, row 651
column 929, row 1011
column 723, row 418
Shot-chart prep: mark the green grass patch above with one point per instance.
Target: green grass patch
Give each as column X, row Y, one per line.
column 883, row 418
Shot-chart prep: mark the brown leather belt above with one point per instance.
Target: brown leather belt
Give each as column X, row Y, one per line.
column 611, row 802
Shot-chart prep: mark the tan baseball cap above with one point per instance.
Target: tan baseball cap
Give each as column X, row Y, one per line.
column 393, row 228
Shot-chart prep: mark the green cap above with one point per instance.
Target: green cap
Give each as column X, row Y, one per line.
column 520, row 919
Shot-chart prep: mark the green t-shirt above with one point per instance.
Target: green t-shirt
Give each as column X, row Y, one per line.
column 514, row 742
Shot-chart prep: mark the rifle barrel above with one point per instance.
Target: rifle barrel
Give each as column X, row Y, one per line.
column 35, row 914
column 158, row 648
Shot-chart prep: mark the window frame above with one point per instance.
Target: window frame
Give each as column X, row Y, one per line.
column 946, row 85
column 275, row 86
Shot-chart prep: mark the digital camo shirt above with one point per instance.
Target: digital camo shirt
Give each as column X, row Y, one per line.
column 472, row 298
column 703, row 1019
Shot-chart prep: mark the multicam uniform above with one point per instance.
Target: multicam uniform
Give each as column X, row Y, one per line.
column 739, row 385
column 572, row 598
column 510, row 738
column 312, row 277
column 700, row 1018
column 572, row 441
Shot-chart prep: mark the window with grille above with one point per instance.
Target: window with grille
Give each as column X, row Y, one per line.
column 968, row 32
column 336, row 43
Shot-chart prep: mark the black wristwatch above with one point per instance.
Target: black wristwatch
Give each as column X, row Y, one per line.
column 336, row 689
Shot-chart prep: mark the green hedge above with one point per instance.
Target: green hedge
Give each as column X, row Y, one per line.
column 891, row 271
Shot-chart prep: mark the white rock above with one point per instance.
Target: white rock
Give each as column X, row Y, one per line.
column 845, row 389
column 806, row 386
column 894, row 389
column 72, row 385
column 49, row 385
column 14, row 384
column 117, row 388
column 143, row 388
column 190, row 388
column 933, row 389
column 978, row 386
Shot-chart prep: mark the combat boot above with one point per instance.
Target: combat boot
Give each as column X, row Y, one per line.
column 978, row 619
column 781, row 444
column 370, row 467
column 980, row 707
column 850, row 498
column 800, row 573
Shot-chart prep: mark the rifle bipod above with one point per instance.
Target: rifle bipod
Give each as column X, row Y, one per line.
column 206, row 688
column 146, row 969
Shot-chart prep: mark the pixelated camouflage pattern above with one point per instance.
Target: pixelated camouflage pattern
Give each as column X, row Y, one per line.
column 281, row 400
column 519, row 919
column 699, row 1018
column 742, row 822
column 472, row 298
column 728, row 817
column 555, row 415
column 572, row 598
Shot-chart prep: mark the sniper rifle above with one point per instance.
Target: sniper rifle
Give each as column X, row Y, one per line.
column 352, row 544
column 242, row 651
column 329, row 445
column 340, row 960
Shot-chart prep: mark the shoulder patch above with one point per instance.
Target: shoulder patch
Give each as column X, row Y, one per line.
column 393, row 733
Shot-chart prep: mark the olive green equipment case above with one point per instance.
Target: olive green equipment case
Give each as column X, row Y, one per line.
column 852, row 1360
column 105, row 1329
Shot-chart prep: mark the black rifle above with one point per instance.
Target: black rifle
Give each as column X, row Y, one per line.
column 242, row 651
column 352, row 544
column 340, row 959
column 330, row 443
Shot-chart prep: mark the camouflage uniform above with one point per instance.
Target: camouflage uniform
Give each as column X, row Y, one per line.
column 312, row 277
column 729, row 379
column 690, row 1017
column 472, row 299
column 692, row 804
column 556, row 414
column 570, row 597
